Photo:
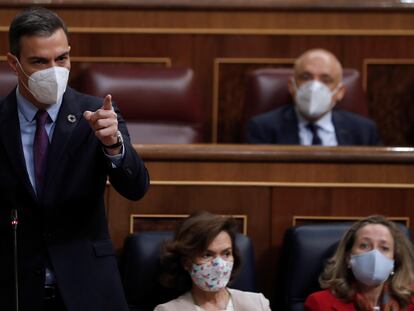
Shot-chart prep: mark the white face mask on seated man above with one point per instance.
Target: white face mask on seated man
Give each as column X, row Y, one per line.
column 314, row 98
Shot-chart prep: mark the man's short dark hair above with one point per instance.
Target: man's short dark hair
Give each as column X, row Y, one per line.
column 35, row 21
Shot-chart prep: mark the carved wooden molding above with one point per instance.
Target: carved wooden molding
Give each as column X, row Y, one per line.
column 271, row 153
column 220, row 4
column 168, row 222
column 300, row 220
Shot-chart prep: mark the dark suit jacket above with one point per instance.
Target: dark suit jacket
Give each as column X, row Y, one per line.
column 325, row 300
column 68, row 224
column 280, row 126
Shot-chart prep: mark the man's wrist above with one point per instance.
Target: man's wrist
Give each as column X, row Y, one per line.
column 119, row 143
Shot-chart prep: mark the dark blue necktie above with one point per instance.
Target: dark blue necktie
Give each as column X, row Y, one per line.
column 40, row 147
column 316, row 140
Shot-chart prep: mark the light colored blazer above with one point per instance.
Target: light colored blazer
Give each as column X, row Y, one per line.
column 242, row 301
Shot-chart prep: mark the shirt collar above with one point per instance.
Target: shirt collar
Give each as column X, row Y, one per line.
column 325, row 123
column 28, row 110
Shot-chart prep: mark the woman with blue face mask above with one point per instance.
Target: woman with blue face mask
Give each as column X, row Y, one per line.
column 372, row 269
column 200, row 261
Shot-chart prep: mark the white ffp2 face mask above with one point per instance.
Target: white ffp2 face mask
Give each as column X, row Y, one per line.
column 371, row 268
column 47, row 85
column 313, row 99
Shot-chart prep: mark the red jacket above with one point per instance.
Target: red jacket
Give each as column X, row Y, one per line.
column 326, row 301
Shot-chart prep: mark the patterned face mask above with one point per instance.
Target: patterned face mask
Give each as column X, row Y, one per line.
column 213, row 275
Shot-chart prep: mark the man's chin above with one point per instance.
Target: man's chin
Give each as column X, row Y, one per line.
column 311, row 118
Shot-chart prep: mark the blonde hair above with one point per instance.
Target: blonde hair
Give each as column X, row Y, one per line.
column 339, row 278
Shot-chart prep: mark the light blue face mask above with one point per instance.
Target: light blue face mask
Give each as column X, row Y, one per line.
column 371, row 268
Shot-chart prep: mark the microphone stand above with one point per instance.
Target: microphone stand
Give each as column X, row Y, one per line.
column 14, row 222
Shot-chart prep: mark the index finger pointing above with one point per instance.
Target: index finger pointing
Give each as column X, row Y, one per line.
column 107, row 104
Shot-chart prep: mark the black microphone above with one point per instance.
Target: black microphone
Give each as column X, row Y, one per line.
column 14, row 218
column 14, row 222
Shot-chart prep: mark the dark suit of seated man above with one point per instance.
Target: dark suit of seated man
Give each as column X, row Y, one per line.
column 316, row 87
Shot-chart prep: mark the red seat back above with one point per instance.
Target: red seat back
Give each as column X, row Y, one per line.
column 267, row 89
column 160, row 105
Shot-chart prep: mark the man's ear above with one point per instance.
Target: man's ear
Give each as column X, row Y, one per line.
column 12, row 60
column 291, row 86
column 340, row 93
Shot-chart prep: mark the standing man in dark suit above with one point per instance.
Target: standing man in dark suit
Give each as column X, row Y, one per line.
column 316, row 87
column 57, row 149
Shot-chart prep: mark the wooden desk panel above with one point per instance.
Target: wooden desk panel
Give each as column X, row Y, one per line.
column 269, row 186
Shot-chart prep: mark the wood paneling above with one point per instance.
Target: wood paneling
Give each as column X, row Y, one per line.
column 169, row 222
column 219, row 4
column 390, row 88
column 213, row 21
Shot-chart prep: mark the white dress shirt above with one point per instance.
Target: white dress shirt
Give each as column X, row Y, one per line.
column 325, row 130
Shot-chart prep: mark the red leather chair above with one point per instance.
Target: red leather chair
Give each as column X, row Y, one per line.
column 266, row 89
column 160, row 105
column 8, row 79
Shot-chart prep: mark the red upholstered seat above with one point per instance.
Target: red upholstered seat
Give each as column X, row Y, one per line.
column 266, row 89
column 160, row 105
column 8, row 79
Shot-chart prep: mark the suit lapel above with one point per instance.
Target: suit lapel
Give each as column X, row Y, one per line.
column 237, row 304
column 343, row 136
column 11, row 137
column 289, row 127
column 67, row 120
column 242, row 302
